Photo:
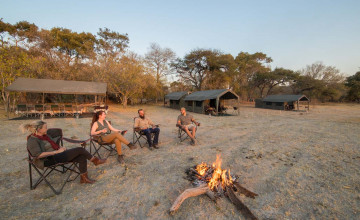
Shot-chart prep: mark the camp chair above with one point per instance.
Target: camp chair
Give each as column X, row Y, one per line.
column 235, row 110
column 22, row 110
column 78, row 110
column 31, row 110
column 39, row 110
column 101, row 108
column 138, row 135
column 96, row 145
column 63, row 168
column 68, row 110
column 182, row 135
column 55, row 110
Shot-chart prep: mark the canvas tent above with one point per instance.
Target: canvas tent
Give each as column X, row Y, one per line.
column 282, row 102
column 201, row 101
column 176, row 99
column 49, row 86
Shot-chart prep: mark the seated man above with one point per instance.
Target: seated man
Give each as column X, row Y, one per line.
column 184, row 121
column 143, row 124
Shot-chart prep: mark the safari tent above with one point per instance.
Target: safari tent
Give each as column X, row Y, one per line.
column 175, row 99
column 283, row 102
column 49, row 86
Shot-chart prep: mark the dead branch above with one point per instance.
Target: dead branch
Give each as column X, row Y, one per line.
column 192, row 192
column 239, row 205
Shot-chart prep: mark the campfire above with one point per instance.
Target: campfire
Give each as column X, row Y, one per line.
column 215, row 183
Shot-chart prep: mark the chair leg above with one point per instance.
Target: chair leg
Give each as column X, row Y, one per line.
column 30, row 175
column 136, row 139
column 73, row 168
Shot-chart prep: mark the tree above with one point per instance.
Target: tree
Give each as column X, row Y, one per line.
column 14, row 63
column 126, row 78
column 320, row 81
column 353, row 83
column 158, row 60
column 74, row 45
column 268, row 80
column 197, row 66
column 111, row 44
column 247, row 66
column 222, row 70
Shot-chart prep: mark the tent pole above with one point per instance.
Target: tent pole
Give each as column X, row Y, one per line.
column 7, row 94
column 308, row 105
column 297, row 103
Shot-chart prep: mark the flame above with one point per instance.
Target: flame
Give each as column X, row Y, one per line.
column 219, row 178
column 202, row 168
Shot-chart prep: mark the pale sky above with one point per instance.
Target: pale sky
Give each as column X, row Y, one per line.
column 294, row 33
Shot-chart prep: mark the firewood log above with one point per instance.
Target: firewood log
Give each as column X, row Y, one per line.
column 244, row 191
column 192, row 192
column 239, row 205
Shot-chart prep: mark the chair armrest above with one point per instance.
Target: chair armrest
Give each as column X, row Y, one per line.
column 137, row 129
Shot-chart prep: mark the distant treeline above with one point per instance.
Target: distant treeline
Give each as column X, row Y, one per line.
column 60, row 53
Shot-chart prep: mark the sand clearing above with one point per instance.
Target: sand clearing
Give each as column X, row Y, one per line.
column 302, row 165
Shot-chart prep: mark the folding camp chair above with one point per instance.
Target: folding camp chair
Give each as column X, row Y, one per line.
column 235, row 110
column 31, row 110
column 68, row 110
column 138, row 134
column 39, row 110
column 55, row 110
column 63, row 168
column 78, row 109
column 22, row 110
column 96, row 144
column 182, row 135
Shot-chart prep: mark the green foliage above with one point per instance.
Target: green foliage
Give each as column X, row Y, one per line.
column 126, row 77
column 320, row 82
column 74, row 45
column 203, row 67
column 247, row 67
column 111, row 43
column 353, row 83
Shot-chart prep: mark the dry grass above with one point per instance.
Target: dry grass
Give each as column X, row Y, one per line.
column 302, row 165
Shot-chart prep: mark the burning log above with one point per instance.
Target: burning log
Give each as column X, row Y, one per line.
column 214, row 182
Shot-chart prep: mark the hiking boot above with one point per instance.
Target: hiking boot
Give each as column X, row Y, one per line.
column 155, row 146
column 121, row 160
column 151, row 148
column 193, row 142
column 85, row 179
column 131, row 146
column 97, row 161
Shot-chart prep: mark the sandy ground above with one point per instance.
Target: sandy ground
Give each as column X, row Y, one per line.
column 302, row 165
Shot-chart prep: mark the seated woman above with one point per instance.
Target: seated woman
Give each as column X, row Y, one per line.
column 103, row 128
column 47, row 152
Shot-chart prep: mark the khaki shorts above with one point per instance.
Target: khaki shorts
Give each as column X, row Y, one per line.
column 190, row 126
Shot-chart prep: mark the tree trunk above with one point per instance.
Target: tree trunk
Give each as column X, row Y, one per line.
column 124, row 101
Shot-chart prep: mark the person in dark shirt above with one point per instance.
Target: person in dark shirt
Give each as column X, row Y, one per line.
column 47, row 153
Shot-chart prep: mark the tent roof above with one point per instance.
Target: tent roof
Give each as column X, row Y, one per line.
column 175, row 95
column 285, row 98
column 57, row 86
column 210, row 94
